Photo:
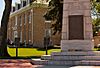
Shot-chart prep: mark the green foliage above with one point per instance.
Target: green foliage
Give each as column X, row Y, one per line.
column 95, row 8
column 96, row 16
column 96, row 25
column 54, row 13
column 55, row 10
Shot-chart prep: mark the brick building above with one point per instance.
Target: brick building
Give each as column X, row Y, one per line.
column 27, row 22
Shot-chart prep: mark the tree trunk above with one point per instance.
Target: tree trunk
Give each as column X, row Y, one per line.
column 4, row 23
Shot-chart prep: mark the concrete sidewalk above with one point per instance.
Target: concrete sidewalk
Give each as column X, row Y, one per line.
column 50, row 66
column 25, row 63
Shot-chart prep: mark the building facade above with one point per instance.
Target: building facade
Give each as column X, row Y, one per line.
column 27, row 22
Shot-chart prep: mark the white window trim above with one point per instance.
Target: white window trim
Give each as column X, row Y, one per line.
column 15, row 34
column 20, row 20
column 16, row 21
column 25, row 20
column 29, row 17
column 30, row 32
column 21, row 36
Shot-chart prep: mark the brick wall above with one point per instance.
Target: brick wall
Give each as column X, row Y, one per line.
column 30, row 29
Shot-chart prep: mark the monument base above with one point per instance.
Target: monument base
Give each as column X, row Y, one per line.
column 73, row 52
column 78, row 45
column 69, row 59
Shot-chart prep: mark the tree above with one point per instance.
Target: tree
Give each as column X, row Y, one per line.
column 4, row 23
column 96, row 16
column 96, row 26
column 55, row 12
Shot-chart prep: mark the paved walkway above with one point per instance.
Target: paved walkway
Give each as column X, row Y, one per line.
column 10, row 63
column 22, row 63
column 46, row 66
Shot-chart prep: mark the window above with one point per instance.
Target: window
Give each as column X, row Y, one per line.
column 19, row 6
column 24, row 34
column 30, row 1
column 30, row 36
column 24, row 3
column 15, row 34
column 24, row 18
column 13, row 8
column 15, row 20
column 21, row 36
column 20, row 21
column 29, row 17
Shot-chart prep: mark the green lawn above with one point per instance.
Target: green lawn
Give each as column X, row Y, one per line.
column 29, row 52
column 23, row 52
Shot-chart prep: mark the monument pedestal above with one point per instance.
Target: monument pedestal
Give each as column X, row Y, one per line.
column 76, row 43
column 73, row 52
column 70, row 58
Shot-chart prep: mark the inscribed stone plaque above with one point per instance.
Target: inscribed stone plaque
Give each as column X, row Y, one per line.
column 76, row 27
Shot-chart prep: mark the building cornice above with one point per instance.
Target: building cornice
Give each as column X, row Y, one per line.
column 28, row 7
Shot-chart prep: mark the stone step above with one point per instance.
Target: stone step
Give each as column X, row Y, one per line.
column 51, row 62
column 70, row 57
column 89, row 63
column 97, row 53
column 81, row 53
column 46, row 57
column 39, row 62
column 68, row 63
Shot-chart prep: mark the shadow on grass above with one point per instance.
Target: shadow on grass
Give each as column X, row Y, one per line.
column 41, row 49
column 97, row 49
column 44, row 49
column 27, row 57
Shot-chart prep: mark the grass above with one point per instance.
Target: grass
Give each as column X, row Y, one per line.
column 33, row 52
column 27, row 52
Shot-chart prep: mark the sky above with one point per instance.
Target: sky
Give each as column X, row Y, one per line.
column 3, row 5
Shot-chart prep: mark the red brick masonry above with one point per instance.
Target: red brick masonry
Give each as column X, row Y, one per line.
column 12, row 63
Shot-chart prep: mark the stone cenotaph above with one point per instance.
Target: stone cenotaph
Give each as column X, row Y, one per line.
column 76, row 44
column 77, row 26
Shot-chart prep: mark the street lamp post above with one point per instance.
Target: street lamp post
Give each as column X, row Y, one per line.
column 17, row 40
column 17, row 43
column 47, row 35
